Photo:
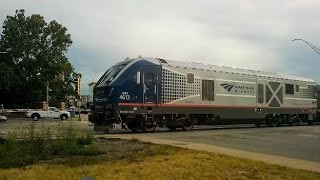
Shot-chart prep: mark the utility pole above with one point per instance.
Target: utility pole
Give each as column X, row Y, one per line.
column 57, row 77
column 77, row 92
column 47, row 95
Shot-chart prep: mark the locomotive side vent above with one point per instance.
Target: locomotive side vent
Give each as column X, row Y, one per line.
column 176, row 86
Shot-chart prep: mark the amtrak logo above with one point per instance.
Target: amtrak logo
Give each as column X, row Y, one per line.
column 238, row 89
column 227, row 87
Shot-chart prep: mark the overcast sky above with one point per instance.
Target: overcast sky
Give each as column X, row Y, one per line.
column 239, row 33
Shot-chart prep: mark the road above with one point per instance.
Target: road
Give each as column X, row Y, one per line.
column 300, row 142
column 292, row 146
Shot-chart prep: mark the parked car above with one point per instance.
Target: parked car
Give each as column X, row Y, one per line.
column 52, row 112
column 3, row 118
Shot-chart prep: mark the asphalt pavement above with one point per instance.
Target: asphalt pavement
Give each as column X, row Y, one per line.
column 299, row 142
column 291, row 146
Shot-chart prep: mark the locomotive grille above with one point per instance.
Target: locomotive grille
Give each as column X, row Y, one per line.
column 174, row 86
column 309, row 92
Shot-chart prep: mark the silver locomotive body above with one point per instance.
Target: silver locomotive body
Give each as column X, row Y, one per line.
column 181, row 94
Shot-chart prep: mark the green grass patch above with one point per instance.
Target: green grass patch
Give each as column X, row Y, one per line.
column 29, row 145
column 66, row 153
column 125, row 159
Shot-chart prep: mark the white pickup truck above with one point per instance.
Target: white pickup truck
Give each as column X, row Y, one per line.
column 52, row 112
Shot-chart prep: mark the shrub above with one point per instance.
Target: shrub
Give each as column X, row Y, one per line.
column 30, row 144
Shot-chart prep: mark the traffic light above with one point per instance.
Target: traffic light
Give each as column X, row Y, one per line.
column 77, row 82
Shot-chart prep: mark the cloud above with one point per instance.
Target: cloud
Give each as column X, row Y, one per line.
column 247, row 34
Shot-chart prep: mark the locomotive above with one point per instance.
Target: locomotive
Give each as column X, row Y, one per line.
column 142, row 94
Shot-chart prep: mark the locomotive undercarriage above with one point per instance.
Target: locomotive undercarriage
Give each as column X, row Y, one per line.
column 148, row 121
column 275, row 120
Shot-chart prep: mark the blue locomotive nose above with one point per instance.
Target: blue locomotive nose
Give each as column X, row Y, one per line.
column 103, row 106
column 104, row 96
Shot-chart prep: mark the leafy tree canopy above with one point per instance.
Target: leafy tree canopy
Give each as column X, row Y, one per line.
column 35, row 54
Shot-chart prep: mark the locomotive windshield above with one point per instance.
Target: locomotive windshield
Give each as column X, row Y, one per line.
column 111, row 73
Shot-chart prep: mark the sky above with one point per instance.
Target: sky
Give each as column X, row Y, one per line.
column 238, row 33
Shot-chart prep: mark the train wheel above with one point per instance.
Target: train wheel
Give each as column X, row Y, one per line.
column 133, row 129
column 172, row 128
column 149, row 128
column 133, row 125
column 149, row 125
column 188, row 125
column 296, row 121
column 258, row 123
column 310, row 122
column 274, row 121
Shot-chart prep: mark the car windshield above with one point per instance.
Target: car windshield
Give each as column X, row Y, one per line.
column 111, row 74
column 53, row 109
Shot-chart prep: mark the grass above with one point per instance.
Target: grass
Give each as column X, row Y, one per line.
column 30, row 145
column 131, row 159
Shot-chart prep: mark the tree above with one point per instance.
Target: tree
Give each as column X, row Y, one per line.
column 36, row 54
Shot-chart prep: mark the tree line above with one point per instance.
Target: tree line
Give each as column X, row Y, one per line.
column 32, row 54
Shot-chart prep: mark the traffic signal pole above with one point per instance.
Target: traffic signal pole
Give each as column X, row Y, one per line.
column 79, row 119
column 77, row 92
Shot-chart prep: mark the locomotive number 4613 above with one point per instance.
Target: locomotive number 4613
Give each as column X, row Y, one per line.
column 124, row 96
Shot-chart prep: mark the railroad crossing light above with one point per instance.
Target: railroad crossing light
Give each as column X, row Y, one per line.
column 77, row 87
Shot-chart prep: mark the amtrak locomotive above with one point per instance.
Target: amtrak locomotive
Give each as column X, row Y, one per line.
column 144, row 93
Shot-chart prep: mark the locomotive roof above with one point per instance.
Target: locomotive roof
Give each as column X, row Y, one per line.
column 201, row 66
column 208, row 67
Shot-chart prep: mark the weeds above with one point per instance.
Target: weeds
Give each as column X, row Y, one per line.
column 125, row 159
column 29, row 145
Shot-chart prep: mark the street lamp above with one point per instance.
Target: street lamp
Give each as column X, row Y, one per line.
column 317, row 50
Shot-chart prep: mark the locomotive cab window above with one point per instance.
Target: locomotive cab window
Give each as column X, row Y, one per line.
column 208, row 90
column 190, row 78
column 148, row 78
column 111, row 73
column 289, row 89
column 297, row 88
